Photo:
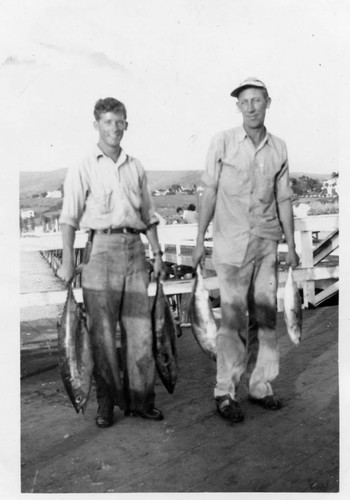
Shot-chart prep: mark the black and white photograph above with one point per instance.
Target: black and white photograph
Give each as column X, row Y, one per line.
column 175, row 302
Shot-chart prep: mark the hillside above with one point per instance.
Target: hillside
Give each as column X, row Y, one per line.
column 38, row 182
column 319, row 177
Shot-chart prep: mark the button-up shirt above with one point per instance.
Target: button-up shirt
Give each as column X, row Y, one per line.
column 99, row 194
column 250, row 182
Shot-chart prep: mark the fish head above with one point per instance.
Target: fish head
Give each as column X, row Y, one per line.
column 80, row 402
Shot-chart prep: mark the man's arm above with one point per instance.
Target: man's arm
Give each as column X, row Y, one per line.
column 285, row 211
column 67, row 269
column 152, row 236
column 206, row 213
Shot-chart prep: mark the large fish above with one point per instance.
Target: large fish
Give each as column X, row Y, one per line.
column 74, row 353
column 164, row 339
column 201, row 316
column 292, row 309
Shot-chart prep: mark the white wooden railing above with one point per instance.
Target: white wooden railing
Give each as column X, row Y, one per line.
column 176, row 241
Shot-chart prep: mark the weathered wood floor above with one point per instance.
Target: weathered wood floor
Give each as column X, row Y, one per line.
column 193, row 450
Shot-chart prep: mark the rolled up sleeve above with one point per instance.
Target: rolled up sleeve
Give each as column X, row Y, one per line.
column 213, row 166
column 74, row 198
column 283, row 187
column 148, row 215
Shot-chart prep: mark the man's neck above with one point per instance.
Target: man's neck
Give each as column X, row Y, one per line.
column 256, row 135
column 112, row 153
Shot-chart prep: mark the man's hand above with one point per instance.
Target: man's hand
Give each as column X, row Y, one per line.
column 292, row 258
column 198, row 256
column 66, row 272
column 158, row 267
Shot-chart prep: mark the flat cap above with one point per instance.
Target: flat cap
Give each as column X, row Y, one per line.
column 248, row 82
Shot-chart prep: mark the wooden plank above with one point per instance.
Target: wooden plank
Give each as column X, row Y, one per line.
column 326, row 294
column 59, row 296
column 307, row 261
column 172, row 233
column 175, row 287
column 50, row 241
column 326, row 247
column 317, row 223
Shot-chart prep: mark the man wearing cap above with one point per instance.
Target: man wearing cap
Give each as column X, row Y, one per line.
column 248, row 196
column 108, row 194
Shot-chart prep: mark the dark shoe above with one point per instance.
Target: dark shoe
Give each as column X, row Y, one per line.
column 153, row 414
column 271, row 402
column 229, row 408
column 104, row 418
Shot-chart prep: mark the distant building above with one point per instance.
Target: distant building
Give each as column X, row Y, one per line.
column 54, row 194
column 27, row 214
column 331, row 186
column 160, row 192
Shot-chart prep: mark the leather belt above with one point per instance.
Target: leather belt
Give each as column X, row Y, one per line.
column 118, row 230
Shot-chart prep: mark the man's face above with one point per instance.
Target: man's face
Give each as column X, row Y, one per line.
column 253, row 105
column 111, row 127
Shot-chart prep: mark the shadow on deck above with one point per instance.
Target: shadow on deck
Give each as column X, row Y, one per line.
column 193, row 450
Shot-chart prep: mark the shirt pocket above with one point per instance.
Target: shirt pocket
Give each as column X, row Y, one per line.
column 264, row 184
column 234, row 180
column 99, row 203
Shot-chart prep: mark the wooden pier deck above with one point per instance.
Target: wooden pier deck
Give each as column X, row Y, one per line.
column 295, row 449
column 193, row 450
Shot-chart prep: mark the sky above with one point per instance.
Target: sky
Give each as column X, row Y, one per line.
column 174, row 65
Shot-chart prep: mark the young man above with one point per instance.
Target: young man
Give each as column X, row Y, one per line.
column 247, row 191
column 108, row 194
column 180, row 216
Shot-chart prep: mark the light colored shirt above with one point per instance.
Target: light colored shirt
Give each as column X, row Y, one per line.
column 191, row 217
column 250, row 182
column 99, row 194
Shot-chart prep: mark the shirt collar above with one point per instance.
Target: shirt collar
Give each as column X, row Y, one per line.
column 98, row 153
column 242, row 134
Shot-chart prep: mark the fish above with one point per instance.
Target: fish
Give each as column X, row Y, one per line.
column 292, row 309
column 74, row 353
column 164, row 339
column 201, row 316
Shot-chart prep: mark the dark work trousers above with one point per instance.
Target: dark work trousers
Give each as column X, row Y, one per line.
column 115, row 283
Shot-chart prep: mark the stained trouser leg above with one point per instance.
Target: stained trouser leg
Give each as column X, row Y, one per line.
column 234, row 283
column 262, row 345
column 137, row 343
column 102, row 309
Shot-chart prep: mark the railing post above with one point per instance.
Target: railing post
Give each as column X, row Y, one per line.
column 307, row 261
column 178, row 253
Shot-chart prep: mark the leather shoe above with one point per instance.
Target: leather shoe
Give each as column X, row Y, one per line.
column 104, row 418
column 153, row 414
column 229, row 408
column 270, row 402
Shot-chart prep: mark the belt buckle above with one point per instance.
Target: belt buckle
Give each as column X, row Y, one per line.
column 125, row 230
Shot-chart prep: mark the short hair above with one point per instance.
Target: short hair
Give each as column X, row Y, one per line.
column 108, row 104
column 179, row 209
column 191, row 207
